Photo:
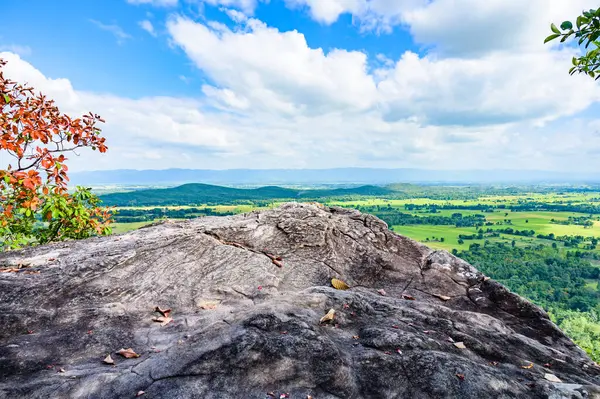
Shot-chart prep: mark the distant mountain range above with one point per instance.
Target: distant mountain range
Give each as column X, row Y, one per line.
column 173, row 177
column 195, row 193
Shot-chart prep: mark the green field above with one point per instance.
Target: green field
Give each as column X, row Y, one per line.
column 119, row 228
column 447, row 236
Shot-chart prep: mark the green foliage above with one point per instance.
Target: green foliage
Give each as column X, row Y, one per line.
column 61, row 217
column 586, row 32
column 582, row 327
column 554, row 280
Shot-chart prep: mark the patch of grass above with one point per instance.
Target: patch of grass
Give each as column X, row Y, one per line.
column 119, row 228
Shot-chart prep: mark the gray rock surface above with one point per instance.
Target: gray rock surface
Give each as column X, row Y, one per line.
column 243, row 327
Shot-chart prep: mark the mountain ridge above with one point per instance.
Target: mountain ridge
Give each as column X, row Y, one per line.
column 323, row 176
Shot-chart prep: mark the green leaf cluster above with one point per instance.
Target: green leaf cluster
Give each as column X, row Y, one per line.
column 585, row 32
column 61, row 217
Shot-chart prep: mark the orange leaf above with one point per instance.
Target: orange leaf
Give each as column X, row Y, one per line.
column 163, row 312
column 127, row 353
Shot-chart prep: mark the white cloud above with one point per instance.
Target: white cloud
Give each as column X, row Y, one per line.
column 269, row 100
column 115, row 29
column 472, row 27
column 147, row 26
column 378, row 15
column 247, row 6
column 235, row 15
column 155, row 3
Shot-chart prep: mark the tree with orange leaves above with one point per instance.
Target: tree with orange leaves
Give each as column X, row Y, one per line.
column 35, row 204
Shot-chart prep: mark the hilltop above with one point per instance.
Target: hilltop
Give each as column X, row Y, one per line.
column 246, row 298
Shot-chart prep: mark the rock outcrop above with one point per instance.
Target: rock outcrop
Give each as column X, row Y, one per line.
column 247, row 294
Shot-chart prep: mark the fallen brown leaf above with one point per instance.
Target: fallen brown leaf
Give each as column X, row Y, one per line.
column 9, row 270
column 163, row 320
column 551, row 377
column 460, row 345
column 108, row 359
column 208, row 305
column 328, row 317
column 163, row 312
column 355, row 337
column 408, row 297
column 529, row 366
column 382, row 292
column 442, row 297
column 277, row 260
column 128, row 353
column 32, row 272
column 339, row 284
column 460, row 376
column 140, row 393
column 493, row 363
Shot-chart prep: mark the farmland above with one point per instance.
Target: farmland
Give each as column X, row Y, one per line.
column 541, row 242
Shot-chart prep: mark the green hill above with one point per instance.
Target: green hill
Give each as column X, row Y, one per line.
column 197, row 194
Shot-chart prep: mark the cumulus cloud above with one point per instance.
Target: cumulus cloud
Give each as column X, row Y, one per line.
column 270, row 100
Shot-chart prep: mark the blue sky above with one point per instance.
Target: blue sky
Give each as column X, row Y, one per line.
column 445, row 84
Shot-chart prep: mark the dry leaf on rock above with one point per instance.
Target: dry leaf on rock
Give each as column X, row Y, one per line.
column 328, row 317
column 9, row 270
column 460, row 345
column 460, row 376
column 339, row 284
column 163, row 312
column 61, row 370
column 163, row 320
column 208, row 305
column 128, row 353
column 140, row 393
column 382, row 292
column 108, row 360
column 442, row 297
column 529, row 366
column 408, row 297
column 551, row 377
